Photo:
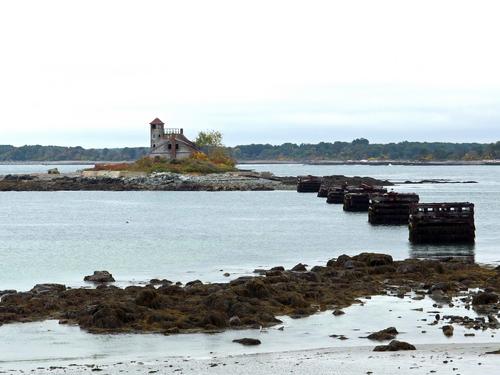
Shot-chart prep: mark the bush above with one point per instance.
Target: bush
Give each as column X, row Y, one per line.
column 198, row 163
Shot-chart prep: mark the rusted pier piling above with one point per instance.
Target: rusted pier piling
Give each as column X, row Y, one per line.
column 323, row 191
column 442, row 223
column 335, row 195
column 358, row 199
column 308, row 184
column 391, row 208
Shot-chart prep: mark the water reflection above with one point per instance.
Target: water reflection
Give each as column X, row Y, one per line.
column 465, row 252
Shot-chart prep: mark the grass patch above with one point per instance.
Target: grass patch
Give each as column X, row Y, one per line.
column 198, row 164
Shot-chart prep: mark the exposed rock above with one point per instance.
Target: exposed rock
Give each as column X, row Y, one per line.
column 485, row 298
column 493, row 352
column 374, row 259
column 299, row 268
column 394, row 346
column 234, row 321
column 160, row 282
column 8, row 291
column 109, row 317
column 448, row 330
column 47, row 288
column 148, row 298
column 245, row 302
column 338, row 312
column 385, row 334
column 194, row 283
column 247, row 341
column 100, row 277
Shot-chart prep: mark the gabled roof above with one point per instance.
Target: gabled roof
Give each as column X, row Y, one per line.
column 157, row 121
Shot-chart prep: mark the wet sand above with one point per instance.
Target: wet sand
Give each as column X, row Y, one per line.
column 427, row 359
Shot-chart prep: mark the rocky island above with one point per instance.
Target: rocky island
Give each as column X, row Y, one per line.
column 162, row 181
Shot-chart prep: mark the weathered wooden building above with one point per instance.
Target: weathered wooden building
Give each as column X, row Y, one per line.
column 442, row 223
column 169, row 143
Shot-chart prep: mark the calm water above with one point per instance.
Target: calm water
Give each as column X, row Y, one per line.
column 62, row 236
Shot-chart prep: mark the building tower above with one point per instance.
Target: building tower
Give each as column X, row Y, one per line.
column 157, row 132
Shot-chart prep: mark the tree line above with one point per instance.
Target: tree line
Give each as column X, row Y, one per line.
column 358, row 149
column 361, row 149
column 58, row 153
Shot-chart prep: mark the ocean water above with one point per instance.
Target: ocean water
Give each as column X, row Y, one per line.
column 63, row 236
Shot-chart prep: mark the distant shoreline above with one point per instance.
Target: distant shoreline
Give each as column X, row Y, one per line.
column 374, row 162
column 284, row 162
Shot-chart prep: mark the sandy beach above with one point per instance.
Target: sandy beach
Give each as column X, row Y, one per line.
column 461, row 359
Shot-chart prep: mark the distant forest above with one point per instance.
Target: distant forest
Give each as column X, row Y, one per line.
column 359, row 149
column 58, row 153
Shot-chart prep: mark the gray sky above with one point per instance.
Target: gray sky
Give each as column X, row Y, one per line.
column 95, row 73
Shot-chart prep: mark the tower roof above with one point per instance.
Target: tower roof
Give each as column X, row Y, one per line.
column 157, row 121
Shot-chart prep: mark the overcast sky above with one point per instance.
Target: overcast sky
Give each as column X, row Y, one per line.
column 95, row 73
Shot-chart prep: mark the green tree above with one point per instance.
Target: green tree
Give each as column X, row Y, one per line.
column 209, row 138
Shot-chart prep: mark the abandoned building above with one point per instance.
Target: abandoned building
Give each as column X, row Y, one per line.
column 169, row 143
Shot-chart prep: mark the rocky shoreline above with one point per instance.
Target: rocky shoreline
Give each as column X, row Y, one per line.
column 234, row 181
column 257, row 301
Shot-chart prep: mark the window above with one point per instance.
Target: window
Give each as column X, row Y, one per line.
column 153, row 126
column 176, row 146
column 154, row 145
column 169, row 146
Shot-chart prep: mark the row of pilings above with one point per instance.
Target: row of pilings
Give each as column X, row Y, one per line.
column 446, row 222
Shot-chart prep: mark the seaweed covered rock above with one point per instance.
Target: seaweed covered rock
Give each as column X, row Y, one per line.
column 108, row 316
column 385, row 334
column 47, row 288
column 100, row 277
column 148, row 298
column 485, row 298
column 374, row 259
column 394, row 346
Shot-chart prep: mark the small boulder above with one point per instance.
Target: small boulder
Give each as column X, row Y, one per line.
column 247, row 341
column 374, row 259
column 385, row 334
column 193, row 283
column 338, row 312
column 47, row 288
column 448, row 330
column 53, row 171
column 394, row 346
column 160, row 282
column 278, row 268
column 100, row 277
column 299, row 268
